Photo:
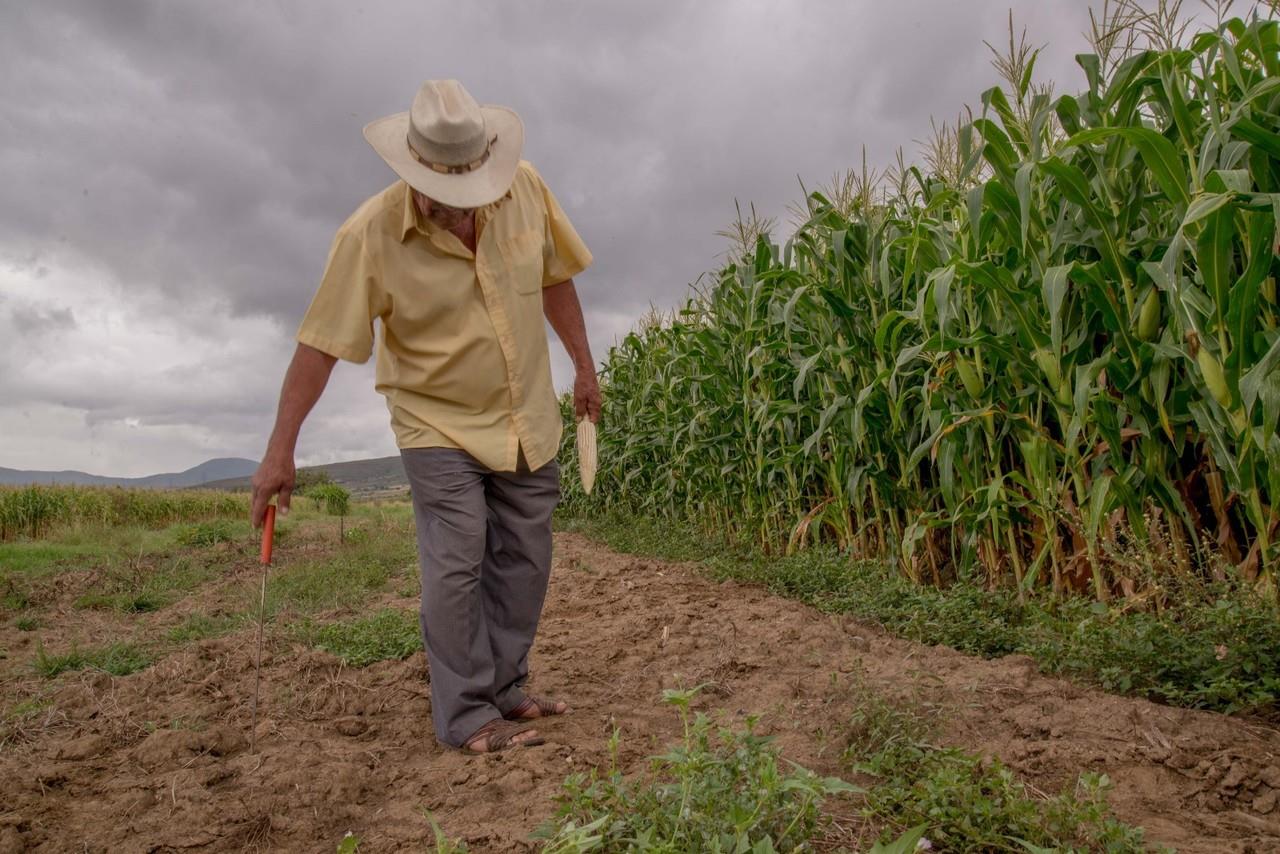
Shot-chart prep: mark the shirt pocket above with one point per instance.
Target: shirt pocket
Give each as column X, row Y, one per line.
column 522, row 261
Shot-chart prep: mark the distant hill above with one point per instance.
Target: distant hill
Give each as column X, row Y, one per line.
column 361, row 477
column 201, row 475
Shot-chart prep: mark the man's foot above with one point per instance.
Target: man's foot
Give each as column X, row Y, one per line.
column 536, row 707
column 499, row 734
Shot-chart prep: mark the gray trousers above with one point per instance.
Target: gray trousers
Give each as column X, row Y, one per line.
column 484, row 548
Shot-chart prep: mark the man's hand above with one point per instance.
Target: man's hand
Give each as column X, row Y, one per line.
column 586, row 396
column 275, row 476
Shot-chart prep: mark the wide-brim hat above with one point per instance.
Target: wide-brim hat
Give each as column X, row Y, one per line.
column 450, row 148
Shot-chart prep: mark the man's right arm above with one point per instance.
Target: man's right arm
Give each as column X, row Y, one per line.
column 306, row 378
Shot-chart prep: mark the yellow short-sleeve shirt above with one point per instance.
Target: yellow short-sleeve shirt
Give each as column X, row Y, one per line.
column 462, row 357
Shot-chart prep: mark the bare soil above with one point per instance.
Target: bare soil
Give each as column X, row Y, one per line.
column 159, row 761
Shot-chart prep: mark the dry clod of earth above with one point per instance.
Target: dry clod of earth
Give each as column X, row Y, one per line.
column 159, row 760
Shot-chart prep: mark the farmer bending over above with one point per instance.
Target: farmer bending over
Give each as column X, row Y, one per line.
column 460, row 259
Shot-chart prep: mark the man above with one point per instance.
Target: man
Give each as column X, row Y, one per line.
column 460, row 260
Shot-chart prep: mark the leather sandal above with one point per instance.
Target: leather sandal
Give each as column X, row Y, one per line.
column 499, row 734
column 546, row 708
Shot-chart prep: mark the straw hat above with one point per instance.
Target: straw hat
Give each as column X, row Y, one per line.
column 450, row 148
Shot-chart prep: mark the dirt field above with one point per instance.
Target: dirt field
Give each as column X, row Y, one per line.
column 160, row 761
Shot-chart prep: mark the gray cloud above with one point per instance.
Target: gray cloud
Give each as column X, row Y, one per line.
column 183, row 165
column 36, row 321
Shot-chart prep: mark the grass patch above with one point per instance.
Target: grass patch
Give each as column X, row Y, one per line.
column 197, row 627
column 128, row 602
column 1217, row 648
column 118, row 659
column 23, row 718
column 27, row 623
column 42, row 556
column 125, row 556
column 204, row 534
column 29, row 707
column 388, row 634
column 716, row 790
column 16, row 597
column 343, row 579
column 140, row 587
column 966, row 802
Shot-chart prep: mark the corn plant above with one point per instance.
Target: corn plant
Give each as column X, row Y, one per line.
column 34, row 511
column 1058, row 332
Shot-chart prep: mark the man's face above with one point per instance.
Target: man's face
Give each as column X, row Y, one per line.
column 438, row 213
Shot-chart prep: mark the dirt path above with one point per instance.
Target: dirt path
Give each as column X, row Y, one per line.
column 159, row 761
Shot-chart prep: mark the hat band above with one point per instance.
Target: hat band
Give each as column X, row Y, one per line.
column 459, row 169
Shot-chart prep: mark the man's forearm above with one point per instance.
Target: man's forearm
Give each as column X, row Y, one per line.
column 305, row 380
column 564, row 313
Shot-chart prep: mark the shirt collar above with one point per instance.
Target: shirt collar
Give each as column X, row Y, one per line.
column 412, row 219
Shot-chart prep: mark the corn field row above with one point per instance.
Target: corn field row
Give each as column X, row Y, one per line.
column 1057, row 336
column 33, row 511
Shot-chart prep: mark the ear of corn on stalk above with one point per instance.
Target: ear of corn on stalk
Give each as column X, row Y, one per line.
column 1214, row 379
column 1149, row 316
column 968, row 377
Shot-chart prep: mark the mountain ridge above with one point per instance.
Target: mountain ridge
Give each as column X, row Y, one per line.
column 218, row 468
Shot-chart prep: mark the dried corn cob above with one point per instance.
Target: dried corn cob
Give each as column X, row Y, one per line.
column 587, row 454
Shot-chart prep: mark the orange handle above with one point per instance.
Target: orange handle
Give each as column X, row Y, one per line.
column 268, row 534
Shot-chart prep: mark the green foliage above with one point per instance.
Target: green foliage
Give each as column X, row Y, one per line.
column 350, row 844
column 118, row 659
column 27, row 624
column 1210, row 646
column 975, row 804
column 963, row 802
column 336, row 500
column 305, row 480
column 1218, row 653
column 207, row 533
column 444, row 843
column 36, row 511
column 1062, row 327
column 388, row 634
column 32, row 558
column 15, row 597
column 342, row 580
column 139, row 602
column 141, row 586
column 907, row 843
column 195, row 627
column 716, row 791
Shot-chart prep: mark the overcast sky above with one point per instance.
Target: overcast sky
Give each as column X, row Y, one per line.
column 173, row 173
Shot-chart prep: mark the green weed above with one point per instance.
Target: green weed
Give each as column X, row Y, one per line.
column 118, row 659
column 210, row 533
column 966, row 802
column 339, row 580
column 27, row 624
column 17, row 597
column 444, row 844
column 716, row 790
column 195, row 627
column 139, row 587
column 29, row 707
column 388, row 634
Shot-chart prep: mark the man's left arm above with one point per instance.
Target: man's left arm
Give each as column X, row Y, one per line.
column 564, row 313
